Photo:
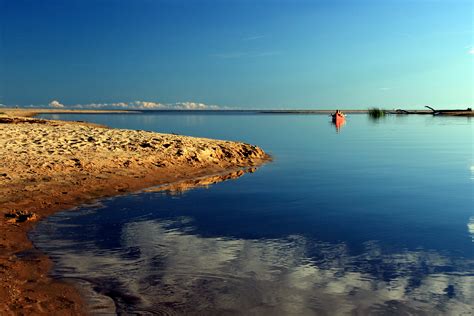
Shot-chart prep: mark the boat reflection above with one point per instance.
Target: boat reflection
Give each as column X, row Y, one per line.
column 339, row 125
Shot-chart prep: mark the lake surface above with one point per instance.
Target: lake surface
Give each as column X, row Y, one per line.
column 376, row 218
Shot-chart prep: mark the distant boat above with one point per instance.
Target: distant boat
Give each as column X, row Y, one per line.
column 338, row 117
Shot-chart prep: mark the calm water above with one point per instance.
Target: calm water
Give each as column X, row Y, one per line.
column 376, row 218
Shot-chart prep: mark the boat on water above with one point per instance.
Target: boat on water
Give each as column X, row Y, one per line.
column 338, row 119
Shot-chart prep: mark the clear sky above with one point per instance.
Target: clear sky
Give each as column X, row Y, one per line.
column 238, row 53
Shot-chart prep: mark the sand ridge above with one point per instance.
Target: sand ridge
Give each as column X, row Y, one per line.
column 47, row 166
column 40, row 150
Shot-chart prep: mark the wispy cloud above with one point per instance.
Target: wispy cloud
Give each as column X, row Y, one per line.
column 230, row 55
column 385, row 88
column 267, row 54
column 233, row 55
column 471, row 51
column 139, row 105
column 253, row 38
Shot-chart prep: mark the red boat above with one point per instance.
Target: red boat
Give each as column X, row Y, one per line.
column 338, row 119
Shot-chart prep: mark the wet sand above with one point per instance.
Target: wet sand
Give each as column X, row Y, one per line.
column 48, row 166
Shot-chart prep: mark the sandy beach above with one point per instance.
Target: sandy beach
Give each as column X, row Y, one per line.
column 48, row 166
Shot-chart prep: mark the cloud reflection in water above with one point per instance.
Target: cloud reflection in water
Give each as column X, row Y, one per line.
column 163, row 267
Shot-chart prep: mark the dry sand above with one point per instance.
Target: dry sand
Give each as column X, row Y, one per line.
column 47, row 166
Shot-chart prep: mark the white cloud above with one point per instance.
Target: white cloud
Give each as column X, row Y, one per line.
column 195, row 106
column 140, row 105
column 471, row 51
column 56, row 104
column 145, row 105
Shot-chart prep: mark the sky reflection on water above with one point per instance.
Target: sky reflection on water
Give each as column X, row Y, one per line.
column 376, row 219
column 163, row 266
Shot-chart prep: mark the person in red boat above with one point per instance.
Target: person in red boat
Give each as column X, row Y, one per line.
column 339, row 113
column 338, row 119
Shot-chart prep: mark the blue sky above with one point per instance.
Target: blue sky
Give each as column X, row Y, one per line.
column 242, row 54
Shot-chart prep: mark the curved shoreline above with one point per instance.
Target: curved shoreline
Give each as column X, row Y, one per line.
column 50, row 166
